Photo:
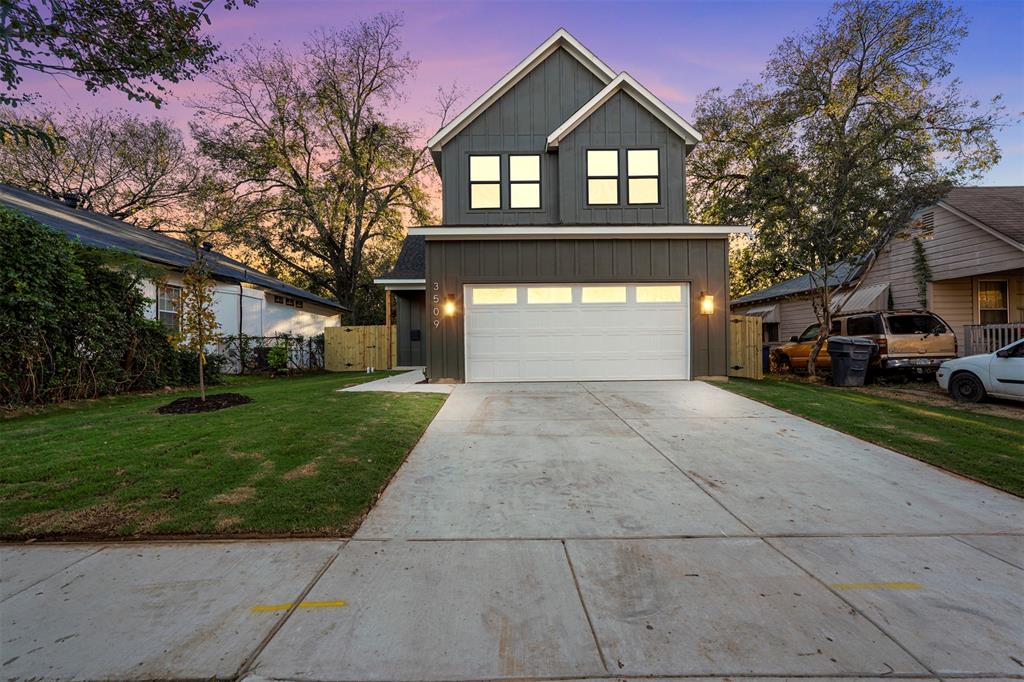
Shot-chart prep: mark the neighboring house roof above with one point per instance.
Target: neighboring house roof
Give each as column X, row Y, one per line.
column 98, row 230
column 411, row 262
column 625, row 82
column 560, row 39
column 841, row 273
column 1000, row 210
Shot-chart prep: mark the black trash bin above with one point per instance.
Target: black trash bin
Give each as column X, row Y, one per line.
column 850, row 357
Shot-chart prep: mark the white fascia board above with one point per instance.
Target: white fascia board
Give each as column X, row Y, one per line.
column 580, row 232
column 977, row 223
column 644, row 96
column 560, row 38
column 401, row 284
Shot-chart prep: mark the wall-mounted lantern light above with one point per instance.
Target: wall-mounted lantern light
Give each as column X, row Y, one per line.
column 707, row 304
column 449, row 305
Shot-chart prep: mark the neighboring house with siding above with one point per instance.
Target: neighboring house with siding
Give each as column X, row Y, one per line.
column 972, row 242
column 246, row 301
column 565, row 251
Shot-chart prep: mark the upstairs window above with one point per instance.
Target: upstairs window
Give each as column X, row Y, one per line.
column 602, row 177
column 524, row 181
column 485, row 181
column 642, row 176
column 168, row 306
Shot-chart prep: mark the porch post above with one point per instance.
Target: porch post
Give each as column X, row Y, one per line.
column 387, row 323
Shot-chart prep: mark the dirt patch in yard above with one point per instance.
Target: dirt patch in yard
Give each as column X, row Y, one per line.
column 236, row 496
column 106, row 518
column 932, row 395
column 193, row 405
column 305, row 471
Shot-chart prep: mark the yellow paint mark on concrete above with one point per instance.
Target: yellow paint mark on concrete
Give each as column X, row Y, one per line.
column 266, row 608
column 876, row 586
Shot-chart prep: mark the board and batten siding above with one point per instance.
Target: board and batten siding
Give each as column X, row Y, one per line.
column 519, row 122
column 622, row 124
column 453, row 264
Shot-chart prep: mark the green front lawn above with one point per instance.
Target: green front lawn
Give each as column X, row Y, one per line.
column 300, row 459
column 984, row 447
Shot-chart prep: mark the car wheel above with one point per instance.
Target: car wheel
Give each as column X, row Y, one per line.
column 966, row 387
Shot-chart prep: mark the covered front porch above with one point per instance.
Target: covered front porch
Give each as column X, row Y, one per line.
column 985, row 311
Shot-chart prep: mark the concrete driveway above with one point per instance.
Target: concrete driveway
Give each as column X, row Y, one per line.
column 570, row 531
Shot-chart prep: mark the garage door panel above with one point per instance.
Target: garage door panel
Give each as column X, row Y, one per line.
column 563, row 341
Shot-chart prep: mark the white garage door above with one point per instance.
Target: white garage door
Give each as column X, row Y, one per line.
column 562, row 332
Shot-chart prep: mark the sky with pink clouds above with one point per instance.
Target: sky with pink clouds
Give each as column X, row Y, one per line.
column 677, row 49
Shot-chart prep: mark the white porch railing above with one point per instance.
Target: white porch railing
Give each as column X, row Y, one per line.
column 988, row 338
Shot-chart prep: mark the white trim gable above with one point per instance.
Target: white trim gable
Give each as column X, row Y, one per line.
column 560, row 39
column 642, row 95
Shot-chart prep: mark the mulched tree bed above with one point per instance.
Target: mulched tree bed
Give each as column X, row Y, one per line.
column 212, row 403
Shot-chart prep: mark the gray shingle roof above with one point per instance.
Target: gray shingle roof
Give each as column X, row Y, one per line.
column 95, row 229
column 1000, row 208
column 841, row 272
column 411, row 262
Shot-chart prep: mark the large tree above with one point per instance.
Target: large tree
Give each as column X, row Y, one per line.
column 855, row 125
column 320, row 170
column 122, row 165
column 134, row 46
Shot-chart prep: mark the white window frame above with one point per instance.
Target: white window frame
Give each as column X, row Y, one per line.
column 176, row 311
column 1006, row 298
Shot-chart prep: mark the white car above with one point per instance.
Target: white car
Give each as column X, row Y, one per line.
column 999, row 374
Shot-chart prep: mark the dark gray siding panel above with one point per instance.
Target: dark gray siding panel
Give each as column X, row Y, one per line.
column 519, row 122
column 452, row 264
column 621, row 124
column 411, row 318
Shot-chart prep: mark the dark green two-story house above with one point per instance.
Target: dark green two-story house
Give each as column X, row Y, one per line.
column 565, row 250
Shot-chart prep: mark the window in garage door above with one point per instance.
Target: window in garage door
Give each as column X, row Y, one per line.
column 659, row 294
column 548, row 295
column 604, row 295
column 495, row 296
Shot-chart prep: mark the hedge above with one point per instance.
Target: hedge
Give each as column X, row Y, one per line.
column 72, row 321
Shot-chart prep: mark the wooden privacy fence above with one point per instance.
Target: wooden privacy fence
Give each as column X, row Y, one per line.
column 348, row 349
column 745, row 347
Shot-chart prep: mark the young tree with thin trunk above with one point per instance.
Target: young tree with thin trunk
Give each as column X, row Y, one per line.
column 320, row 170
column 856, row 125
column 199, row 327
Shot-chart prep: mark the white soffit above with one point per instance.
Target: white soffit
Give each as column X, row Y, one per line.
column 560, row 38
column 578, row 231
column 644, row 96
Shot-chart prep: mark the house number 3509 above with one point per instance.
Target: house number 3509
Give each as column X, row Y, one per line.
column 436, row 300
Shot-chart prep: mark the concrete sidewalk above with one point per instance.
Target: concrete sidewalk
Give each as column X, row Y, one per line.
column 406, row 382
column 568, row 531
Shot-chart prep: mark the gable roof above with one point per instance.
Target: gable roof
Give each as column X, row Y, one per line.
column 842, row 272
column 100, row 231
column 626, row 83
column 559, row 39
column 999, row 210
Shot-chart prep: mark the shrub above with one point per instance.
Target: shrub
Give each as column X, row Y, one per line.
column 72, row 320
column 277, row 358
